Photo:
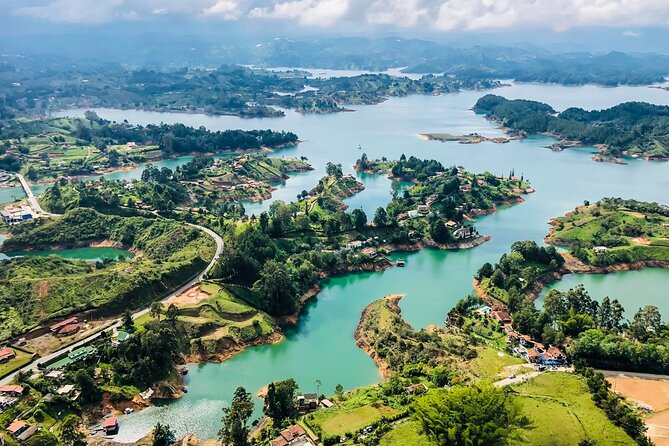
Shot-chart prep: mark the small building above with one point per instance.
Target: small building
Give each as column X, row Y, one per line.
column 354, row 244
column 462, row 232
column 54, row 374
column 12, row 390
column 534, row 356
column 483, row 311
column 371, row 252
column 308, row 401
column 12, row 214
column 32, row 430
column 16, row 427
column 290, row 435
column 501, row 316
column 55, row 328
column 600, row 249
column 450, row 224
column 413, row 213
column 422, row 209
column 110, row 425
column 66, row 390
column 69, row 329
column 7, row 353
column 326, row 403
column 416, row 389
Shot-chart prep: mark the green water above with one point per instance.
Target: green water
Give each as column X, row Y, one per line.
column 633, row 289
column 89, row 254
column 321, row 347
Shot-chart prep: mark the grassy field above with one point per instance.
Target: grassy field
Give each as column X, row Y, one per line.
column 406, row 433
column 22, row 358
column 562, row 413
column 490, row 363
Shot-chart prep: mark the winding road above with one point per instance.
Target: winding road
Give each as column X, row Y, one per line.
column 194, row 280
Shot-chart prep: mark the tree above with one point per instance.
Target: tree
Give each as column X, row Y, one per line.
column 70, row 431
column 380, row 217
column 156, row 310
column 485, row 271
column 339, row 391
column 575, row 323
column 470, row 416
column 162, row 435
column 127, row 322
column 647, row 321
column 172, row 313
column 333, row 170
column 277, row 288
column 359, row 219
column 235, row 430
column 439, row 232
column 42, row 438
column 90, row 392
column 280, row 401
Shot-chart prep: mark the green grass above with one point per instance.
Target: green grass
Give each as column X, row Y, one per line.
column 562, row 412
column 22, row 358
column 406, row 433
column 339, row 422
column 489, row 364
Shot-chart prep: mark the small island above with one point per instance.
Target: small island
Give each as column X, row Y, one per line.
column 472, row 138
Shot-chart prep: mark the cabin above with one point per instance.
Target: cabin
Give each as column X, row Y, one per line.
column 7, row 353
column 553, row 356
column 308, row 401
column 12, row 390
column 326, row 403
column 17, row 427
column 110, row 425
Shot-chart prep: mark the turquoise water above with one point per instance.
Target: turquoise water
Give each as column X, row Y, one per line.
column 90, row 254
column 9, row 194
column 321, row 347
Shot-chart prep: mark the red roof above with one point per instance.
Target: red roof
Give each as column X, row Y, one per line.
column 61, row 324
column 279, row 441
column 7, row 352
column 16, row 426
column 110, row 422
column 69, row 328
column 11, row 389
column 532, row 352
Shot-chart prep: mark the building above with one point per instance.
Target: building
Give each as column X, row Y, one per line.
column 462, row 232
column 450, row 224
column 69, row 329
column 7, row 353
column 501, row 316
column 16, row 427
column 54, row 374
column 371, row 252
column 72, row 357
column 422, row 209
column 110, row 425
column 11, row 390
column 66, row 390
column 32, row 430
column 55, row 328
column 14, row 214
column 291, row 435
column 600, row 249
column 354, row 244
column 308, row 401
column 326, row 403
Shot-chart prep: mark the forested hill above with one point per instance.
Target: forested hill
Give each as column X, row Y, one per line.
column 630, row 128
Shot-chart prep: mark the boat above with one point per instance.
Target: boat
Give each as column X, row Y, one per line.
column 359, row 147
column 401, row 263
column 128, row 410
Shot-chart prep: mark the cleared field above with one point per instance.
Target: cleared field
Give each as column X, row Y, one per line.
column 658, row 428
column 341, row 422
column 490, row 363
column 406, row 433
column 22, row 358
column 651, row 392
column 562, row 413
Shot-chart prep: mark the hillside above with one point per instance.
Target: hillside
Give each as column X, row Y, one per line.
column 635, row 129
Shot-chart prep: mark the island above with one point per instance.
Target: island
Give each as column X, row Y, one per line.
column 614, row 130
column 472, row 138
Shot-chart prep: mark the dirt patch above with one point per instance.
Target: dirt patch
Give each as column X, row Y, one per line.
column 651, row 392
column 191, row 296
column 658, row 429
column 48, row 343
column 640, row 241
column 106, row 244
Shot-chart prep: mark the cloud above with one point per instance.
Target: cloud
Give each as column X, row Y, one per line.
column 439, row 15
column 306, row 12
column 630, row 33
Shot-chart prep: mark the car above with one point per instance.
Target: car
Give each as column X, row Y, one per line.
column 512, row 376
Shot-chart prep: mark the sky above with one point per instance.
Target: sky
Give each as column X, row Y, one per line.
column 434, row 15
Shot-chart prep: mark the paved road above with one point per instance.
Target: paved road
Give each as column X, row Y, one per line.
column 219, row 250
column 32, row 200
column 621, row 374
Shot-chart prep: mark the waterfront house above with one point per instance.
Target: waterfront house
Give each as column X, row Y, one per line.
column 292, row 435
column 12, row 390
column 16, row 427
column 501, row 316
column 110, row 425
column 462, row 232
column 308, row 401
column 7, row 353
column 450, row 224
column 371, row 252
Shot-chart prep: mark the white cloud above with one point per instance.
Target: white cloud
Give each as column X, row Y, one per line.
column 444, row 15
column 306, row 12
column 631, row 33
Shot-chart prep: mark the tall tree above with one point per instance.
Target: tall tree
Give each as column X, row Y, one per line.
column 162, row 435
column 70, row 431
column 235, row 430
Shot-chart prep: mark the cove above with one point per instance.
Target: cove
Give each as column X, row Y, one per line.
column 321, row 346
column 88, row 254
column 633, row 289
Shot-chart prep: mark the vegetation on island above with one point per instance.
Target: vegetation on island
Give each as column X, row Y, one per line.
column 614, row 231
column 631, row 128
column 34, row 290
column 50, row 147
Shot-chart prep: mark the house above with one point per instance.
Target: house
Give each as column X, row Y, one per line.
column 501, row 316
column 354, row 244
column 450, row 224
column 413, row 214
column 466, row 188
column 484, row 310
column 110, row 425
column 54, row 374
column 371, row 252
column 430, row 200
column 13, row 214
column 32, row 430
column 291, row 435
column 600, row 249
column 6, row 354
column 11, row 390
column 69, row 329
column 55, row 328
column 132, row 145
column 553, row 356
column 422, row 209
column 66, row 390
column 326, row 403
column 534, row 356
column 16, row 427
column 308, row 401
column 416, row 389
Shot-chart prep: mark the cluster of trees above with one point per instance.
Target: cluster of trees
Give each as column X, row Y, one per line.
column 636, row 126
column 413, row 168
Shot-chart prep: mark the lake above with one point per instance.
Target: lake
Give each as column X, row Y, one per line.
column 89, row 254
column 321, row 347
